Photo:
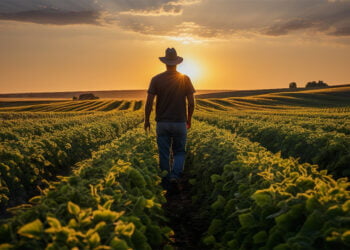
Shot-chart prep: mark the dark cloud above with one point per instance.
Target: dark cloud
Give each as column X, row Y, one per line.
column 341, row 31
column 51, row 12
column 86, row 11
column 328, row 18
column 53, row 17
column 284, row 28
column 14, row 6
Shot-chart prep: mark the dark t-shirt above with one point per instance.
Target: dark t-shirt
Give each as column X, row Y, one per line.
column 171, row 89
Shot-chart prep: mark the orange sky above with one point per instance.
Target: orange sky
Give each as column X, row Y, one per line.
column 121, row 52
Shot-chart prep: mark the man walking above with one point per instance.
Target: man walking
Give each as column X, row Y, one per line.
column 172, row 89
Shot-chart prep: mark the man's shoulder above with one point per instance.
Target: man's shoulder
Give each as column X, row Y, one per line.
column 159, row 76
column 186, row 77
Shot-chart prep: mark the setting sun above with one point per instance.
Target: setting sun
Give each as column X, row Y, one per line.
column 190, row 68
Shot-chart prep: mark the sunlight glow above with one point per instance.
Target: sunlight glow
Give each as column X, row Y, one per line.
column 190, row 68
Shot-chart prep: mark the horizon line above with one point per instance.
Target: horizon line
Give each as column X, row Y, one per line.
column 74, row 91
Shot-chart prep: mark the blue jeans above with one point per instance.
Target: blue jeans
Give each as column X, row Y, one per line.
column 172, row 135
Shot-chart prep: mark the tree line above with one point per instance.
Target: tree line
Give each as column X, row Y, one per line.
column 312, row 84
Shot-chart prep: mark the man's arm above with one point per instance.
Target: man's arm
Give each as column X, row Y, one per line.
column 190, row 107
column 148, row 110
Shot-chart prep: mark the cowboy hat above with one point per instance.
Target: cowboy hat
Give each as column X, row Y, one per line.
column 171, row 57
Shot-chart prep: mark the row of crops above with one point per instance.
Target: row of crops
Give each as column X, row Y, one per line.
column 213, row 104
column 324, row 141
column 34, row 151
column 262, row 104
column 111, row 201
column 247, row 195
column 254, row 199
column 81, row 106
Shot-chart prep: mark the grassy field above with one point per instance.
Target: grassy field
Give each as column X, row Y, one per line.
column 266, row 170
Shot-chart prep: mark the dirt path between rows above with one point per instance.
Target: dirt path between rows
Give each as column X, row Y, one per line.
column 183, row 217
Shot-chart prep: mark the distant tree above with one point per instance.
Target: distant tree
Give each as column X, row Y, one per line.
column 88, row 96
column 322, row 84
column 293, row 85
column 314, row 84
column 75, row 98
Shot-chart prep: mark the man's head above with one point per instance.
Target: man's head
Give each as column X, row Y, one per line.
column 171, row 59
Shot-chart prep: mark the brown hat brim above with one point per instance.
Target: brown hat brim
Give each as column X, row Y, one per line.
column 165, row 60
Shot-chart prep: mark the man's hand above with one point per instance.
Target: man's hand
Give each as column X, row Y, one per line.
column 147, row 126
column 148, row 110
column 188, row 124
column 190, row 105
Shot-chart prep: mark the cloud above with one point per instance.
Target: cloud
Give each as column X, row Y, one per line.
column 331, row 19
column 283, row 28
column 171, row 8
column 51, row 12
column 166, row 10
column 196, row 18
column 341, row 31
column 235, row 18
column 13, row 6
column 86, row 11
column 54, row 17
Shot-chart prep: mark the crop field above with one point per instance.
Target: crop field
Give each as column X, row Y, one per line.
column 70, row 106
column 266, row 171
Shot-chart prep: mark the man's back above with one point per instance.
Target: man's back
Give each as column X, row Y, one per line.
column 171, row 89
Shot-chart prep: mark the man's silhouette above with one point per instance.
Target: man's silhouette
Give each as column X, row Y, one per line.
column 172, row 89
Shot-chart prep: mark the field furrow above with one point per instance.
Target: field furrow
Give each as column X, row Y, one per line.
column 112, row 106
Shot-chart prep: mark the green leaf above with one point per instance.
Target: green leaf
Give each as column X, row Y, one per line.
column 5, row 233
column 124, row 228
column 262, row 199
column 346, row 206
column 106, row 215
column 260, row 237
column 53, row 222
column 119, row 244
column 35, row 199
column 246, row 220
column 95, row 239
column 219, row 203
column 33, row 229
column 346, row 237
column 209, row 240
column 128, row 230
column 149, row 203
column 108, row 204
column 73, row 208
column 137, row 178
column 73, row 223
column 6, row 246
column 215, row 226
column 192, row 181
column 215, row 178
column 139, row 240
